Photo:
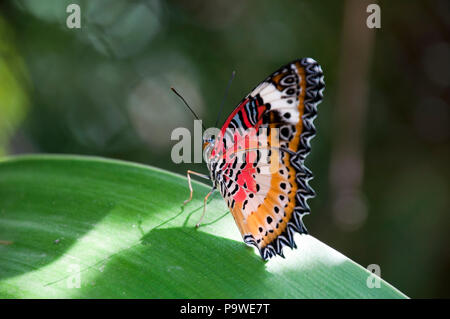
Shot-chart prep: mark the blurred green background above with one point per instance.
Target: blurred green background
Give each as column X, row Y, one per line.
column 381, row 155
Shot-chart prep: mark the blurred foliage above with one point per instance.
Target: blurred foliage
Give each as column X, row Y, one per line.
column 13, row 95
column 104, row 90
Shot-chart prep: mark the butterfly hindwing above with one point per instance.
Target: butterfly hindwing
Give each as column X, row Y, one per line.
column 262, row 177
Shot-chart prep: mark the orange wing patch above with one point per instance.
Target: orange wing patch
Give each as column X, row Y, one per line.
column 269, row 204
column 273, row 224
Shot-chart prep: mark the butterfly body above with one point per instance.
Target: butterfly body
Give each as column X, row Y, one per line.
column 257, row 159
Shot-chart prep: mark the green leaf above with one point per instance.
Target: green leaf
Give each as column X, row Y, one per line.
column 121, row 229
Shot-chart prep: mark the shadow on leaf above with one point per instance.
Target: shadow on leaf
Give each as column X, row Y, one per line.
column 165, row 266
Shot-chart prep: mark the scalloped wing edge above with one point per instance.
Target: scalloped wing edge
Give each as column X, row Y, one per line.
column 313, row 96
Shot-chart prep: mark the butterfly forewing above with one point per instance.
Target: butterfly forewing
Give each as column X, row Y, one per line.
column 258, row 158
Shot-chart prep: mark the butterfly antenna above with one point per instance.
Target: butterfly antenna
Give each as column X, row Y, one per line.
column 225, row 96
column 192, row 111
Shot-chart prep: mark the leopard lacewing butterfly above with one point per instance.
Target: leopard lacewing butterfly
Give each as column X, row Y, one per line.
column 268, row 205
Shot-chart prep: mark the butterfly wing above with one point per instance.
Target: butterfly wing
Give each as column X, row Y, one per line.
column 262, row 177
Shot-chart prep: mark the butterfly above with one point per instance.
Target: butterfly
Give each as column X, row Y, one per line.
column 256, row 161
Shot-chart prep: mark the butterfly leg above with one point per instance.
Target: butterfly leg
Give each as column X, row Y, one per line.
column 189, row 172
column 204, row 207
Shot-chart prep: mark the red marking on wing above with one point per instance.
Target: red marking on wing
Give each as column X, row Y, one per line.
column 228, row 120
column 219, row 148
